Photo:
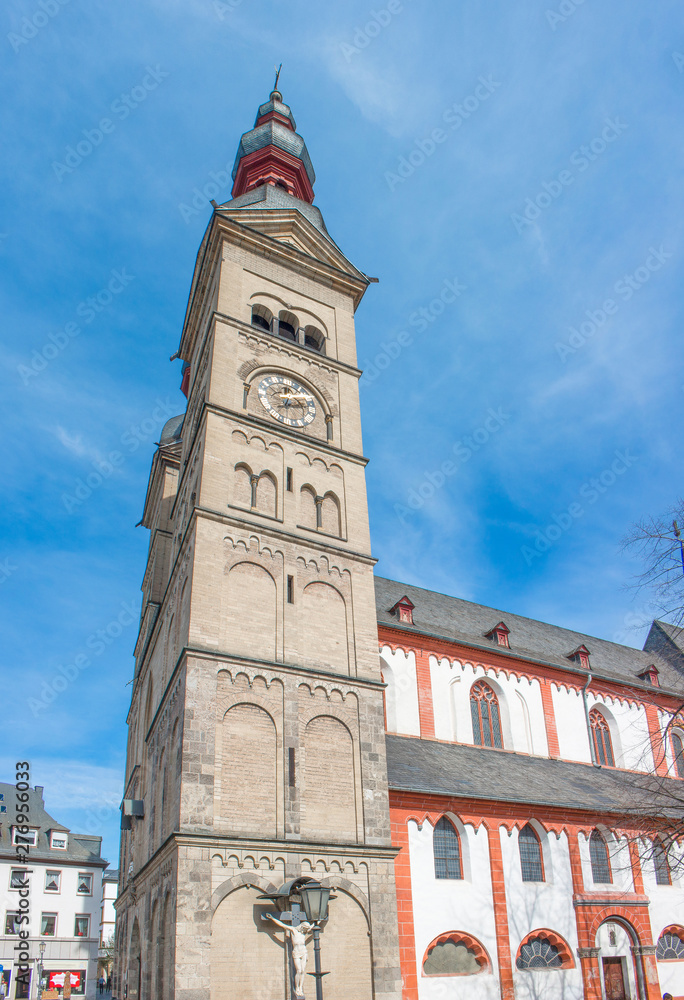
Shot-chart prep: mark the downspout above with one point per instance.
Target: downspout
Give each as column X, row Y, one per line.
column 586, row 716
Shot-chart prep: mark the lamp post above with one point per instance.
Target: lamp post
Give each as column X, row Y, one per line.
column 41, row 948
column 315, row 898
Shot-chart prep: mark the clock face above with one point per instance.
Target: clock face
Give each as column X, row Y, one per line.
column 287, row 401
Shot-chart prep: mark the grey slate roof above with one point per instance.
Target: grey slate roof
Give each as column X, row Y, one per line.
column 81, row 847
column 428, row 767
column 462, row 621
column 273, row 104
column 270, row 196
column 171, row 431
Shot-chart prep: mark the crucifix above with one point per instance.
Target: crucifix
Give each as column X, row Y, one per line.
column 277, row 69
column 296, row 927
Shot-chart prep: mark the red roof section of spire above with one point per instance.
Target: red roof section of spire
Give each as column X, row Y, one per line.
column 273, row 153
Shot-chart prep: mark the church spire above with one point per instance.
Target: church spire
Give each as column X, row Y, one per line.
column 273, row 153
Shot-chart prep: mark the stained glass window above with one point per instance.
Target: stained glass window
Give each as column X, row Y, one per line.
column 484, row 709
column 600, row 734
column 661, row 863
column 600, row 862
column 530, row 855
column 447, row 850
column 678, row 750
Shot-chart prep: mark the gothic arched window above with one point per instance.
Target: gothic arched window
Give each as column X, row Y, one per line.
column 678, row 751
column 600, row 734
column 600, row 862
column 484, row 710
column 661, row 863
column 531, row 864
column 446, row 848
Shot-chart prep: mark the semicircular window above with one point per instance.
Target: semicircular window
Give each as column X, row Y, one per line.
column 670, row 948
column 539, row 953
column 453, row 956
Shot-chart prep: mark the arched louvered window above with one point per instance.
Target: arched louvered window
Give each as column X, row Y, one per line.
column 600, row 862
column 288, row 324
column 484, row 710
column 678, row 751
column 261, row 317
column 446, row 847
column 531, row 864
column 600, row 734
column 661, row 863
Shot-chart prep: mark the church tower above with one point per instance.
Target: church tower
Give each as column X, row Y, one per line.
column 256, row 750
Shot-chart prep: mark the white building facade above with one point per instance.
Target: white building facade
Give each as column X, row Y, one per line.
column 53, row 891
column 521, row 758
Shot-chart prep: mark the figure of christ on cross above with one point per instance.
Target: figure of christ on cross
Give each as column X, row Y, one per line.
column 298, row 939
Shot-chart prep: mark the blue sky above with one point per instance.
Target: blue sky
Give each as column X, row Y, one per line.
column 499, row 226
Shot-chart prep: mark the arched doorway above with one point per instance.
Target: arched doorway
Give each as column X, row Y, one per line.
column 134, row 963
column 619, row 960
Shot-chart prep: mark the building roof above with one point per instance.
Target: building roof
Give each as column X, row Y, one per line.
column 456, row 770
column 456, row 620
column 111, row 875
column 171, row 431
column 81, row 847
column 270, row 196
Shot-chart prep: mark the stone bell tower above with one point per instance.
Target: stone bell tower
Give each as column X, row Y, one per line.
column 256, row 746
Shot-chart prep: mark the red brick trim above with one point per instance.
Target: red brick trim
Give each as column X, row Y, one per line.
column 549, row 718
column 637, row 873
column 656, row 738
column 407, row 939
column 503, row 943
column 425, row 707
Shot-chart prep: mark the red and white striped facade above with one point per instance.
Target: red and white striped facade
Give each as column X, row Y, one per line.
column 604, row 934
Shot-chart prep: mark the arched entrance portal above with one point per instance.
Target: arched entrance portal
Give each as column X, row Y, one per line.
column 619, row 958
column 134, row 963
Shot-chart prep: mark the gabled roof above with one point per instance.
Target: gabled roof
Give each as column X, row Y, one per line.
column 454, row 619
column 81, row 847
column 403, row 602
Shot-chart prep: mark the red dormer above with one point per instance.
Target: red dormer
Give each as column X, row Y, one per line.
column 650, row 675
column 499, row 634
column 581, row 656
column 403, row 610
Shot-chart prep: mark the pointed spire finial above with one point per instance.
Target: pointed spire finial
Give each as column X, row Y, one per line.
column 275, row 85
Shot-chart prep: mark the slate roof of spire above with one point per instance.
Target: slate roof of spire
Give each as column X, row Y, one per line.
column 462, row 621
column 269, row 196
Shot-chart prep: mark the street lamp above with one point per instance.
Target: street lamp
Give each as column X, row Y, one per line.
column 315, row 898
column 41, row 947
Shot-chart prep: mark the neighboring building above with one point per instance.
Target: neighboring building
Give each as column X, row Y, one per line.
column 110, row 890
column 64, row 873
column 257, row 751
column 515, row 805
